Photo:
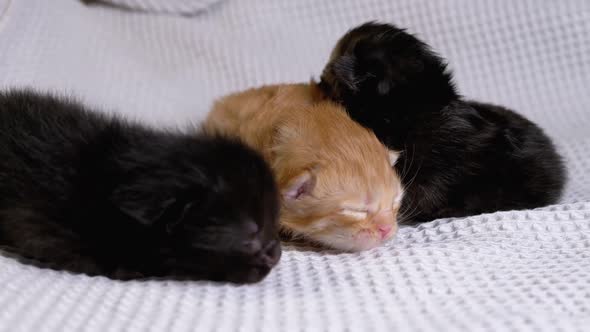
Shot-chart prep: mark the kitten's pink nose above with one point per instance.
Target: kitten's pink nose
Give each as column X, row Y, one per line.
column 384, row 230
column 383, row 221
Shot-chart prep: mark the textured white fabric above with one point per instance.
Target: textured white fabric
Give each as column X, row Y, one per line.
column 527, row 270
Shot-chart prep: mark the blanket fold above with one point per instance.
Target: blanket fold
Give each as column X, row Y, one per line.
column 179, row 7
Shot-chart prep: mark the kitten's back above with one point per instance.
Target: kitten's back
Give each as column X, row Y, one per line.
column 91, row 193
column 459, row 158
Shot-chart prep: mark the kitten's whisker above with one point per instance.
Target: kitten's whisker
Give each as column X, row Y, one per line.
column 404, row 217
column 412, row 160
column 413, row 210
column 415, row 175
column 403, row 171
column 404, row 168
column 362, row 78
column 407, row 208
column 409, row 183
column 417, row 211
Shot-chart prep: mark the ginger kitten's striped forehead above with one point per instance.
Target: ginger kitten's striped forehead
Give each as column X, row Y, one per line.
column 325, row 135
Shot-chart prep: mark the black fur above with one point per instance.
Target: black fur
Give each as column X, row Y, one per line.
column 94, row 194
column 458, row 157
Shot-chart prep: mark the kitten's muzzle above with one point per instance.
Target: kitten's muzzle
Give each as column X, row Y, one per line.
column 258, row 265
column 268, row 256
column 271, row 254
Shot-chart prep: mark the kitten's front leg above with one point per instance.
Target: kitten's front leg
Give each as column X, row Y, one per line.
column 42, row 242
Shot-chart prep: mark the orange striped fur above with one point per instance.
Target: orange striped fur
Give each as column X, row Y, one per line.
column 338, row 186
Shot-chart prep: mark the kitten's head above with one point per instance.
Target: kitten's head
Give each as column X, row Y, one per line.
column 336, row 180
column 377, row 61
column 214, row 206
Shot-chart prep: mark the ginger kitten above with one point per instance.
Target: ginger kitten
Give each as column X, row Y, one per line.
column 335, row 177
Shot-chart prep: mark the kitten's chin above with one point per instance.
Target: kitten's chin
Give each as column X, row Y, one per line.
column 361, row 241
column 341, row 237
column 365, row 240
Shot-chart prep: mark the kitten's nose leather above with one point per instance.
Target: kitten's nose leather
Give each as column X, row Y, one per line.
column 383, row 222
column 250, row 247
column 384, row 230
column 252, row 244
column 250, row 228
column 268, row 255
column 271, row 254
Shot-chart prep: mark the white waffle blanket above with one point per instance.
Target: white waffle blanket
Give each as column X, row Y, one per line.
column 163, row 62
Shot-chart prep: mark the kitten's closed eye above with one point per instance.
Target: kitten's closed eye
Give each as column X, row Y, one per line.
column 354, row 213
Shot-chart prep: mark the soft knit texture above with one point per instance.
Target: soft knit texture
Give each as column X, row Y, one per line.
column 526, row 270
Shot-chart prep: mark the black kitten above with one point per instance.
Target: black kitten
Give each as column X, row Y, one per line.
column 93, row 194
column 458, row 157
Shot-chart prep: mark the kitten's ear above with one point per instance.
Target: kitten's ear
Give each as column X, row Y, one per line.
column 343, row 69
column 299, row 186
column 144, row 208
column 393, row 157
